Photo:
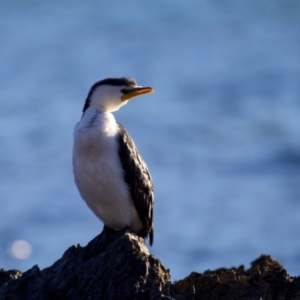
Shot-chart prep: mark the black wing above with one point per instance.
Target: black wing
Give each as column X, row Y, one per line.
column 138, row 178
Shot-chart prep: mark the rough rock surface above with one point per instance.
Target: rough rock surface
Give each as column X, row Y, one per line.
column 265, row 280
column 124, row 269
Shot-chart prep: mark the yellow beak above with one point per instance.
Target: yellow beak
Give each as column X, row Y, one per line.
column 131, row 93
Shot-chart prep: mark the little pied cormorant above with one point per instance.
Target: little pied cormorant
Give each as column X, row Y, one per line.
column 109, row 172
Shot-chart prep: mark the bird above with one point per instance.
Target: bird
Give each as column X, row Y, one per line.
column 110, row 173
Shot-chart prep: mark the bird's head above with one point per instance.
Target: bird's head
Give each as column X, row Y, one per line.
column 112, row 93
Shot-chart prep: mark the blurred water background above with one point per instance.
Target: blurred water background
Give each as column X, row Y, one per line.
column 220, row 134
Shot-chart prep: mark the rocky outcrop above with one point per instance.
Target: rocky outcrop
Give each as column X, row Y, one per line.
column 124, row 269
column 265, row 280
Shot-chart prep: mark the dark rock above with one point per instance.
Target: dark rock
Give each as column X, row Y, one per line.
column 124, row 270
column 266, row 279
column 121, row 267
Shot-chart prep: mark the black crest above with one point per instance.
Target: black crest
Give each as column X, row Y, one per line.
column 123, row 81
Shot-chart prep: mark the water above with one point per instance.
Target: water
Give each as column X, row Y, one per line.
column 220, row 134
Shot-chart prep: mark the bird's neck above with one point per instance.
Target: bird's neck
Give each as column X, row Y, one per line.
column 97, row 118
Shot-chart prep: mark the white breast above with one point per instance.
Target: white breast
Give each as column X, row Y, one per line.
column 98, row 172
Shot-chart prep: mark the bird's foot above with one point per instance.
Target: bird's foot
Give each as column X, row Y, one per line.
column 95, row 246
column 102, row 241
column 124, row 230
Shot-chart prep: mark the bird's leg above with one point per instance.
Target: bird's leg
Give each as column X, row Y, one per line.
column 124, row 230
column 113, row 235
column 102, row 241
column 98, row 244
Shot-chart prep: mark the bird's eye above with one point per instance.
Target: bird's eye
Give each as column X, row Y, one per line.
column 125, row 91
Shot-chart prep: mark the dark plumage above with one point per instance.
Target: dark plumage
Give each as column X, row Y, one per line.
column 138, row 179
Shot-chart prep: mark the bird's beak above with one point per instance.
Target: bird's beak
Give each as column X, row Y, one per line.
column 131, row 93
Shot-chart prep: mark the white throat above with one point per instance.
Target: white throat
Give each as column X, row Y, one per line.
column 100, row 119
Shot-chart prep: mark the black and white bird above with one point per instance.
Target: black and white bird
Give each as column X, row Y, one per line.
column 109, row 172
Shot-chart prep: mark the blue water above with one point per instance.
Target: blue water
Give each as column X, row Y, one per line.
column 220, row 134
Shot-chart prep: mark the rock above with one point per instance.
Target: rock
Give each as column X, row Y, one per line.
column 266, row 279
column 123, row 270
column 119, row 266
